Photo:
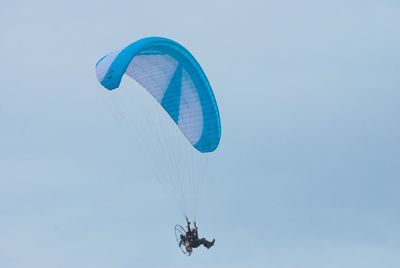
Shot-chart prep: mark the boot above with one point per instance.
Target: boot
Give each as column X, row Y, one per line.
column 211, row 244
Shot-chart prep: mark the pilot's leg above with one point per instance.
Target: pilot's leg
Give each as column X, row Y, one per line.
column 206, row 243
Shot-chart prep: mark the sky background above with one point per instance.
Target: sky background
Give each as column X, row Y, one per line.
column 307, row 173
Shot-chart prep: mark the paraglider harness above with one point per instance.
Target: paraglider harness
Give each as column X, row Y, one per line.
column 191, row 234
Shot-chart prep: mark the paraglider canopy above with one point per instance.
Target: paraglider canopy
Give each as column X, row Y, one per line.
column 175, row 79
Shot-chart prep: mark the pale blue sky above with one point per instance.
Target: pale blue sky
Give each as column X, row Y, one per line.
column 307, row 172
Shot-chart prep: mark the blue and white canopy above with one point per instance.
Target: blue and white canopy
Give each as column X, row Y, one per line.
column 175, row 79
